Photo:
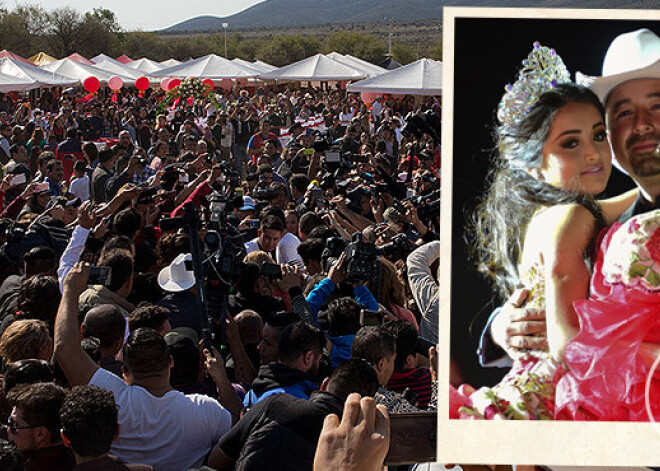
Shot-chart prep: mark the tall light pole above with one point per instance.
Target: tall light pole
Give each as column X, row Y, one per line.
column 225, row 26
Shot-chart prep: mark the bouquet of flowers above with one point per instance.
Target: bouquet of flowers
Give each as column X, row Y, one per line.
column 189, row 89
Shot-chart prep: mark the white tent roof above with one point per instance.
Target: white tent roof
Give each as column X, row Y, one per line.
column 101, row 57
column 367, row 67
column 10, row 83
column 211, row 66
column 76, row 70
column 318, row 68
column 423, row 77
column 14, row 68
column 146, row 66
column 170, row 63
column 250, row 65
column 265, row 65
column 117, row 68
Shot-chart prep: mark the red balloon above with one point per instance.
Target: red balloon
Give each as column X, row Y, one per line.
column 226, row 84
column 91, row 84
column 175, row 82
column 208, row 82
column 142, row 83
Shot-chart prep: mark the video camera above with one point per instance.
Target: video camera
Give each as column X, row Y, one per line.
column 419, row 124
column 361, row 257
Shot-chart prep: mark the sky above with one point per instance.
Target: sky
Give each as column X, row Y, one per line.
column 149, row 15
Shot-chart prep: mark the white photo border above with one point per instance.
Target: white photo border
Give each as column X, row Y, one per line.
column 522, row 442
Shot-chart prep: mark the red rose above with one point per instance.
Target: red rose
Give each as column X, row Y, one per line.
column 653, row 245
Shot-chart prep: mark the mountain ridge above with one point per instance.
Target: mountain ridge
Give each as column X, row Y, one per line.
column 296, row 13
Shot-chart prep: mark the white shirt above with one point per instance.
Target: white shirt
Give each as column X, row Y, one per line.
column 376, row 109
column 72, row 253
column 287, row 250
column 80, row 187
column 171, row 433
column 251, row 246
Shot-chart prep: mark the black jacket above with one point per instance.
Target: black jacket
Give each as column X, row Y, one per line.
column 280, row 433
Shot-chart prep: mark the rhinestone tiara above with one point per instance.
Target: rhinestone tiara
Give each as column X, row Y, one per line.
column 542, row 70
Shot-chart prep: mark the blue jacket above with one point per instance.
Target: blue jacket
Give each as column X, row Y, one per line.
column 324, row 289
column 276, row 378
column 341, row 348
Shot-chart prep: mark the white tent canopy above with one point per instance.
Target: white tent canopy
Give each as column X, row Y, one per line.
column 146, row 66
column 318, row 68
column 20, row 70
column 102, row 57
column 264, row 65
column 423, row 77
column 9, row 83
column 367, row 67
column 212, row 67
column 250, row 65
column 117, row 68
column 170, row 63
column 76, row 70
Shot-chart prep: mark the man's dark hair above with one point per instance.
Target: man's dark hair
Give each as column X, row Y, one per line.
column 271, row 222
column 92, row 347
column 353, row 376
column 39, row 260
column 121, row 264
column 406, row 341
column 321, row 232
column 50, row 165
column 148, row 315
column 89, row 419
column 40, row 404
column 39, row 298
column 10, row 457
column 127, row 222
column 309, row 221
column 299, row 338
column 71, row 132
column 311, row 249
column 27, row 371
column 343, row 317
column 271, row 210
column 373, row 343
column 249, row 276
column 282, row 319
column 299, row 181
column 105, row 322
column 264, row 168
column 118, row 241
column 106, row 154
column 146, row 354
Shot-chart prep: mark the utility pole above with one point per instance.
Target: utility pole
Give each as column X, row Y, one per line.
column 389, row 39
column 225, row 26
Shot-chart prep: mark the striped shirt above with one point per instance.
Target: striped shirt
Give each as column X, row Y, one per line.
column 418, row 380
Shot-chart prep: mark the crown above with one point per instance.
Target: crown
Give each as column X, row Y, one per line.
column 542, row 70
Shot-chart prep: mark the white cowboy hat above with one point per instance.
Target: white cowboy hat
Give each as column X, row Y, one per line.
column 631, row 56
column 177, row 277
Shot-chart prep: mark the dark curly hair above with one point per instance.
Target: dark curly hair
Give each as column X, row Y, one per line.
column 39, row 298
column 499, row 223
column 89, row 420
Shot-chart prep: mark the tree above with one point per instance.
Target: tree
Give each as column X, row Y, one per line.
column 14, row 32
column 64, row 28
column 137, row 44
column 435, row 51
column 364, row 46
column 283, row 50
column 403, row 53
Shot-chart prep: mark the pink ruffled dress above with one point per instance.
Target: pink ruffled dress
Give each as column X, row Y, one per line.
column 606, row 377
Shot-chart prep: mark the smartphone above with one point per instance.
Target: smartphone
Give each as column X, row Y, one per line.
column 413, row 438
column 332, row 157
column 184, row 178
column 39, row 187
column 371, row 318
column 271, row 270
column 100, row 276
column 253, row 223
column 238, row 192
column 18, row 179
column 308, row 152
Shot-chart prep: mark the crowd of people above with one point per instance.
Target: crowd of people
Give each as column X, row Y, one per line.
column 216, row 283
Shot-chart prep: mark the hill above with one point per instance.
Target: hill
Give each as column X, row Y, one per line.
column 273, row 14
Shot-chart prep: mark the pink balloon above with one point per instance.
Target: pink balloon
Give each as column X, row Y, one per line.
column 115, row 83
column 142, row 83
column 173, row 83
column 368, row 98
column 243, row 82
column 226, row 84
column 165, row 83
